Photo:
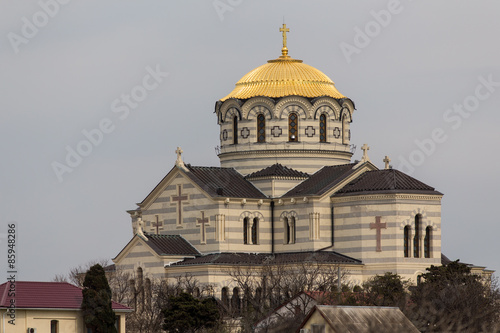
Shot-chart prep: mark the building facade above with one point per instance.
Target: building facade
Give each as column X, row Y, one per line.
column 286, row 189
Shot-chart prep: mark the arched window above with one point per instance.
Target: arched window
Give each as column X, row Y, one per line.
column 54, row 326
column 345, row 129
column 236, row 302
column 225, row 298
column 407, row 241
column 255, row 231
column 416, row 238
column 245, row 230
column 261, row 128
column 292, row 230
column 322, row 128
column 286, row 228
column 293, row 127
column 235, row 129
column 427, row 242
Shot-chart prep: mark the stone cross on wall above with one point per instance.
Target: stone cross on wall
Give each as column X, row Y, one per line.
column 178, row 199
column 203, row 222
column 157, row 224
column 378, row 226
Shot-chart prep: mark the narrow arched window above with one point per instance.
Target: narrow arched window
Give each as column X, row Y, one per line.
column 322, row 128
column 235, row 129
column 236, row 302
column 293, row 127
column 286, row 227
column 225, row 298
column 245, row 230
column 261, row 128
column 416, row 238
column 292, row 230
column 54, row 326
column 407, row 241
column 427, row 242
column 345, row 129
column 255, row 231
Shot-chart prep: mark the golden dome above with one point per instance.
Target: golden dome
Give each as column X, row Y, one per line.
column 284, row 77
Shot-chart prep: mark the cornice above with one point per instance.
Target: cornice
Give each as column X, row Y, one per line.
column 387, row 196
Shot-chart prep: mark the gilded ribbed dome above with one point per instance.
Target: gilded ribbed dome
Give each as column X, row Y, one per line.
column 284, row 77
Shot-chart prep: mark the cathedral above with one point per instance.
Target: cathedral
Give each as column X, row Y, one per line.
column 287, row 188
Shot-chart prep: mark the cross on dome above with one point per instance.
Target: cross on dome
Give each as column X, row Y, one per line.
column 284, row 30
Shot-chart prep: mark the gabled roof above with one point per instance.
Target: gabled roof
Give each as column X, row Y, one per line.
column 162, row 245
column 327, row 257
column 277, row 170
column 223, row 182
column 322, row 180
column 389, row 180
column 363, row 319
column 47, row 295
column 171, row 245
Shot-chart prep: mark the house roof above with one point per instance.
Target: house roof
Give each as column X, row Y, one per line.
column 171, row 245
column 277, row 170
column 223, row 182
column 388, row 180
column 363, row 319
column 50, row 295
column 329, row 257
column 322, row 180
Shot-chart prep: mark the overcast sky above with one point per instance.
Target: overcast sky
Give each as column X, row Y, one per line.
column 424, row 76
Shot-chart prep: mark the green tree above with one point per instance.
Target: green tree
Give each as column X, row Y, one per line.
column 451, row 298
column 386, row 290
column 186, row 314
column 98, row 314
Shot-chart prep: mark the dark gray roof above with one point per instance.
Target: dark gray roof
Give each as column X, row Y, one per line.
column 389, row 180
column 327, row 257
column 223, row 182
column 171, row 245
column 322, row 180
column 278, row 170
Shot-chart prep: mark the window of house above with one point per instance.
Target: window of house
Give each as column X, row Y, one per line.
column 427, row 242
column 255, row 231
column 407, row 241
column 318, row 328
column 117, row 324
column 322, row 128
column 416, row 239
column 293, row 127
column 245, row 230
column 261, row 128
column 235, row 129
column 287, row 230
column 54, row 326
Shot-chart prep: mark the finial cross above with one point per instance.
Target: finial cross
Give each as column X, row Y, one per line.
column 284, row 30
column 386, row 161
column 365, row 149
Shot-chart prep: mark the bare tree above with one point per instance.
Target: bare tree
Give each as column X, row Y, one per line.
column 267, row 286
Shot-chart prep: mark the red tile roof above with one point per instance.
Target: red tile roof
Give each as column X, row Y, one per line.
column 49, row 295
